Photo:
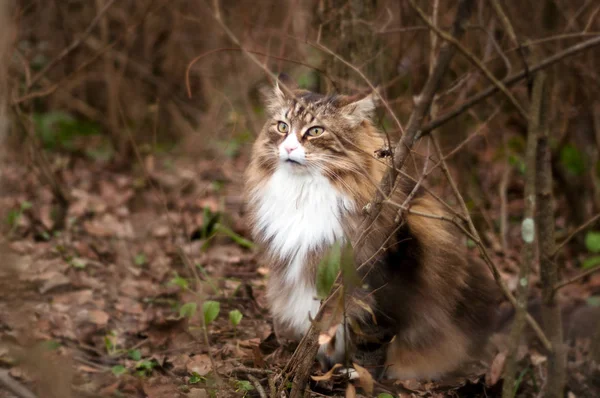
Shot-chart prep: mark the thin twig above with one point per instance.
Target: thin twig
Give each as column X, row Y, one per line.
column 257, row 385
column 76, row 43
column 472, row 58
column 576, row 278
column 14, row 386
column 511, row 32
column 509, row 81
column 421, row 109
column 575, row 232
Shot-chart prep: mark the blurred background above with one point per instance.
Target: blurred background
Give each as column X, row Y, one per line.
column 126, row 127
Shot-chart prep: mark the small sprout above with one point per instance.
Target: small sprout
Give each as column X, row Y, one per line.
column 195, row 378
column 187, row 310
column 385, row 395
column 592, row 241
column 210, row 309
column 179, row 281
column 26, row 205
column 145, row 367
column 243, row 386
column 140, row 259
column 136, row 355
column 235, row 317
column 78, row 263
column 51, row 345
column 119, row 370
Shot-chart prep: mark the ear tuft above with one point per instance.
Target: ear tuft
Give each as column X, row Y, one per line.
column 362, row 109
column 276, row 96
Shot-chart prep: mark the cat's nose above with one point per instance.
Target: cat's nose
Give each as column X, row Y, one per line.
column 290, row 148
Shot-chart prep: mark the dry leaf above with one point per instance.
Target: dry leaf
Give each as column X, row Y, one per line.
column 496, row 368
column 365, row 380
column 199, row 364
column 327, row 375
column 367, row 308
column 350, row 391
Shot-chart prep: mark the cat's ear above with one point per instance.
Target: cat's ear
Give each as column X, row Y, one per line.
column 361, row 109
column 277, row 95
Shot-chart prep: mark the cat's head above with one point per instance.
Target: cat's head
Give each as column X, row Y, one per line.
column 312, row 133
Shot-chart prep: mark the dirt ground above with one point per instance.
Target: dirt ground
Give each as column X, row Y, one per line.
column 113, row 305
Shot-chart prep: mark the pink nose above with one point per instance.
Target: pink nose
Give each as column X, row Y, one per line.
column 289, row 149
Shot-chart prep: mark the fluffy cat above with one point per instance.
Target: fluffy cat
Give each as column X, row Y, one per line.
column 428, row 308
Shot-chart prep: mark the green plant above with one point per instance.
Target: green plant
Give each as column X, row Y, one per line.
column 243, row 386
column 187, row 310
column 210, row 309
column 235, row 317
column 14, row 216
column 145, row 367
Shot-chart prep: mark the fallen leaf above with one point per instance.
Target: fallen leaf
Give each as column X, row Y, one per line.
column 98, row 317
column 58, row 279
column 495, row 372
column 327, row 375
column 199, row 364
column 350, row 391
column 365, row 380
column 129, row 306
column 197, row 393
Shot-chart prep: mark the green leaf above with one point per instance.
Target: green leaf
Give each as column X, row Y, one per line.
column 243, row 385
column 209, row 222
column 146, row 364
column 13, row 216
column 179, row 281
column 136, row 355
column 210, row 309
column 572, row 160
column 385, row 395
column 350, row 277
column 235, row 317
column 240, row 240
column 187, row 310
column 195, row 378
column 119, row 370
column 140, row 259
column 592, row 241
column 78, row 263
column 590, row 262
column 26, row 205
column 51, row 345
column 328, row 269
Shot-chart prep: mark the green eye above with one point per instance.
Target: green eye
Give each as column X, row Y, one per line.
column 283, row 128
column 315, row 131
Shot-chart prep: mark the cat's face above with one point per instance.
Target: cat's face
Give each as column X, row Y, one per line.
column 312, row 133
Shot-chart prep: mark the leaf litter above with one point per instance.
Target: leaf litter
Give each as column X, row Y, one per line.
column 128, row 295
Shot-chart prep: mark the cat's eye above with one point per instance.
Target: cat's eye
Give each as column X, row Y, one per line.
column 283, row 128
column 315, row 131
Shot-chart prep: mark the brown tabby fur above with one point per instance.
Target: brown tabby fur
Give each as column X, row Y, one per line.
column 433, row 308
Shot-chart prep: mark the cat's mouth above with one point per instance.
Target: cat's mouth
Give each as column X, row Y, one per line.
column 292, row 161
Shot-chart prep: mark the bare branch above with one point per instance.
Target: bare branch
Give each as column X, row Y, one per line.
column 71, row 47
column 472, row 58
column 576, row 278
column 422, row 105
column 509, row 81
column 575, row 232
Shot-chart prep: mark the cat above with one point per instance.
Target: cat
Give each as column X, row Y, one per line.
column 423, row 308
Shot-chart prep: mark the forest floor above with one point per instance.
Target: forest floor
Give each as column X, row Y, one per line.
column 114, row 303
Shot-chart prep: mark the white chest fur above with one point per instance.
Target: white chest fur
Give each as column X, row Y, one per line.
column 297, row 214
